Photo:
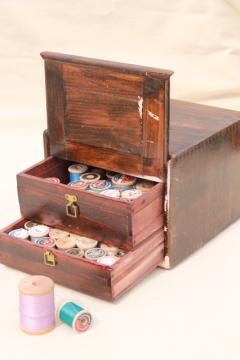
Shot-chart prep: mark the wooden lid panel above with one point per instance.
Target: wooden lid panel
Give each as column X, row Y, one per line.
column 101, row 109
column 107, row 114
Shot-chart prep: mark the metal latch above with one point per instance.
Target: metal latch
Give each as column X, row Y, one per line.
column 71, row 207
column 50, row 259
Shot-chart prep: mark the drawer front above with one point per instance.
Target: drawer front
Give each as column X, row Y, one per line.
column 108, row 283
column 79, row 275
column 97, row 217
column 124, row 224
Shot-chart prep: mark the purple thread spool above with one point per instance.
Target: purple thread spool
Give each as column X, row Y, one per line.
column 36, row 301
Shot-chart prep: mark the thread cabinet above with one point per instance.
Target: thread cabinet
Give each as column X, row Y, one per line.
column 120, row 118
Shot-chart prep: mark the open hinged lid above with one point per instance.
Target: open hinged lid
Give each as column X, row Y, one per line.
column 109, row 115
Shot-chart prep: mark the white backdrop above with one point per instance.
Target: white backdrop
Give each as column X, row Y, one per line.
column 193, row 310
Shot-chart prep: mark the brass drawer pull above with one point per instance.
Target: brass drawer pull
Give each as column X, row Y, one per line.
column 71, row 207
column 49, row 259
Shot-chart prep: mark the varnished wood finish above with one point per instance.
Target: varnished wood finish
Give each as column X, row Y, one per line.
column 124, row 224
column 46, row 144
column 192, row 123
column 110, row 115
column 204, row 196
column 116, row 116
column 105, row 64
column 203, row 176
column 139, row 262
column 83, row 275
column 189, row 124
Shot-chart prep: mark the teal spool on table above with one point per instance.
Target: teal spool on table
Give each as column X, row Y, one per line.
column 74, row 316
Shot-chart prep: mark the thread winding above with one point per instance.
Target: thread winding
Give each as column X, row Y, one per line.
column 36, row 304
column 74, row 316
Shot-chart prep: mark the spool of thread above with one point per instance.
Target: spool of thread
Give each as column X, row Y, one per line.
column 75, row 171
column 38, row 232
column 36, row 304
column 74, row 316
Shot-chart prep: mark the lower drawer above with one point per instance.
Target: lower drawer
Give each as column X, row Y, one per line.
column 106, row 282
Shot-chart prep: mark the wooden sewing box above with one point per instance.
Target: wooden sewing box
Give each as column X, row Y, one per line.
column 119, row 117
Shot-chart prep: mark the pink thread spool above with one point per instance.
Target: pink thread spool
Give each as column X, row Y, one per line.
column 36, row 300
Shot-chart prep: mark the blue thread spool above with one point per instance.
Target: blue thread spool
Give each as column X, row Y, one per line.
column 74, row 316
column 75, row 171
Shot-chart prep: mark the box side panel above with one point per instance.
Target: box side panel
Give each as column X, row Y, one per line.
column 147, row 221
column 203, row 197
column 137, row 264
column 147, row 213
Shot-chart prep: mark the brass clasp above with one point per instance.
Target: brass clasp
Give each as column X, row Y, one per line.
column 71, row 207
column 49, row 259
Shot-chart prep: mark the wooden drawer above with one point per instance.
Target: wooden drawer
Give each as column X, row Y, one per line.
column 106, row 282
column 124, row 224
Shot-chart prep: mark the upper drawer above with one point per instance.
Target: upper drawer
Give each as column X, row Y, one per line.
column 124, row 224
column 109, row 115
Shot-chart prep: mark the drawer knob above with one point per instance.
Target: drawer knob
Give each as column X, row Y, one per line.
column 50, row 259
column 71, row 207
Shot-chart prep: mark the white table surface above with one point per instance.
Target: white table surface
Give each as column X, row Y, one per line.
column 193, row 311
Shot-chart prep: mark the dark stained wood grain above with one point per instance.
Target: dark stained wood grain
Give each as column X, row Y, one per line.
column 114, row 115
column 155, row 126
column 204, row 196
column 106, row 158
column 192, row 123
column 101, row 109
column 81, row 274
column 99, row 218
column 55, row 107
column 50, row 167
column 78, row 274
column 46, row 144
column 147, row 221
column 124, row 224
column 139, row 262
column 103, row 64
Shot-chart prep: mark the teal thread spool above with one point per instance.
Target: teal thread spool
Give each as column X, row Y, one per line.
column 74, row 316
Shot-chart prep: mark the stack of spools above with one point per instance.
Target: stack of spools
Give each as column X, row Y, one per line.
column 37, row 308
column 107, row 183
column 72, row 244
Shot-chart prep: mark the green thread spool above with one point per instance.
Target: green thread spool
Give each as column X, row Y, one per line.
column 74, row 316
